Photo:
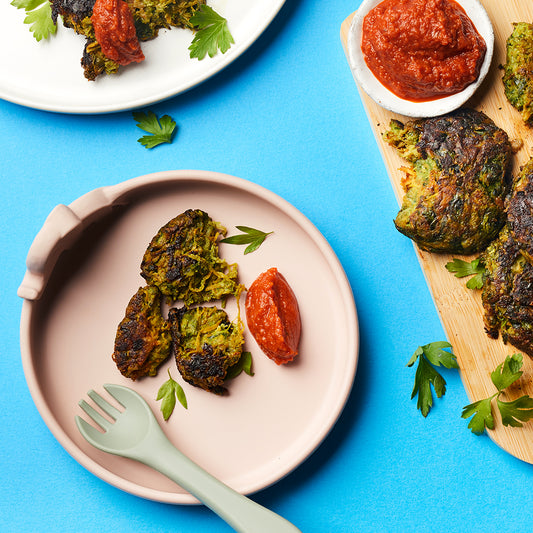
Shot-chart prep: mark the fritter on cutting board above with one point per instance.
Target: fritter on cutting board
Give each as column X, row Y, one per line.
column 205, row 344
column 508, row 280
column 457, row 182
column 518, row 70
column 520, row 211
column 149, row 16
column 183, row 261
column 508, row 293
column 143, row 339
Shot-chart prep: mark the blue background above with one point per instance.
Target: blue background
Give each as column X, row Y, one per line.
column 285, row 115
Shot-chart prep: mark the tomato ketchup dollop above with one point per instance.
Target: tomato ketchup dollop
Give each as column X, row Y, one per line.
column 273, row 316
column 114, row 30
column 422, row 49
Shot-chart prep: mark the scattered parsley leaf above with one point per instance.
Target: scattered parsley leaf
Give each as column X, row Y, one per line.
column 244, row 364
column 482, row 418
column 168, row 392
column 514, row 412
column 438, row 356
column 161, row 130
column 213, row 33
column 251, row 236
column 462, row 269
column 507, row 372
column 426, row 375
column 38, row 16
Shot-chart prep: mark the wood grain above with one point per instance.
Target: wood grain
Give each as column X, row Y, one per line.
column 459, row 308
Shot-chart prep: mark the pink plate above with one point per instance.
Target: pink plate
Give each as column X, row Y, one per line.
column 82, row 269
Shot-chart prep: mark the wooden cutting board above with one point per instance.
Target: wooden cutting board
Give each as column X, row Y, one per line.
column 460, row 309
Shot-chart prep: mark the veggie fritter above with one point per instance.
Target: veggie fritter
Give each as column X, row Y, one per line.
column 518, row 70
column 457, row 182
column 149, row 17
column 520, row 211
column 508, row 293
column 143, row 340
column 183, row 261
column 508, row 280
column 206, row 344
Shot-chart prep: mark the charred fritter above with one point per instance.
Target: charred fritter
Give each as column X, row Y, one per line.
column 520, row 211
column 143, row 339
column 149, row 16
column 206, row 344
column 518, row 70
column 183, row 261
column 456, row 185
column 508, row 293
column 76, row 14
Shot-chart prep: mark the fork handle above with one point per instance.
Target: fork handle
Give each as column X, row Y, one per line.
column 241, row 513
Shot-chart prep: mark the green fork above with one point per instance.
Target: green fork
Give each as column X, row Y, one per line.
column 136, row 434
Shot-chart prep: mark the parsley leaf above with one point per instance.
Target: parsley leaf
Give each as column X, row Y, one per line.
column 168, row 392
column 251, row 236
column 507, row 372
column 514, row 412
column 212, row 35
column 39, row 16
column 161, row 130
column 482, row 418
column 463, row 268
column 244, row 364
column 426, row 375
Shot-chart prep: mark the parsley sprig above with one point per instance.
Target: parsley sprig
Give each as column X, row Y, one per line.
column 168, row 392
column 513, row 413
column 473, row 268
column 38, row 16
column 161, row 130
column 213, row 33
column 253, row 237
column 430, row 356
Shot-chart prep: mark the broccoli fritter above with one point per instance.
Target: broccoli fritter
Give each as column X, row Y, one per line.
column 152, row 15
column 508, row 280
column 508, row 293
column 205, row 344
column 149, row 16
column 143, row 340
column 457, row 181
column 518, row 70
column 520, row 211
column 183, row 261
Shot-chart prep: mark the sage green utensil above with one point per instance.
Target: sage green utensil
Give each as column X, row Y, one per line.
column 136, row 434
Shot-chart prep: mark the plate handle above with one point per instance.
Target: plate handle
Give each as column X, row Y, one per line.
column 60, row 229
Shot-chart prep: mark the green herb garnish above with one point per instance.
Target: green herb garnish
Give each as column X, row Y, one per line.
column 243, row 365
column 168, row 392
column 251, row 236
column 39, row 16
column 212, row 35
column 513, row 413
column 462, row 269
column 161, row 130
column 430, row 355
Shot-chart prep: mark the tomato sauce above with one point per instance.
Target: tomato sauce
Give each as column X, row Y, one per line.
column 114, row 31
column 422, row 49
column 273, row 316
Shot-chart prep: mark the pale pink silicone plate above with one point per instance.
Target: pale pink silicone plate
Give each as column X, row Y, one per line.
column 83, row 267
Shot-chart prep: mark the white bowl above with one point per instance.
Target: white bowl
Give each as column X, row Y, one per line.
column 385, row 98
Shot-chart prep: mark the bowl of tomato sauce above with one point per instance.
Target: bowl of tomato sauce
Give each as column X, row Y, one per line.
column 420, row 58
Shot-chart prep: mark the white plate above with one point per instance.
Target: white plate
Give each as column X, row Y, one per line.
column 47, row 74
column 387, row 99
column 83, row 267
